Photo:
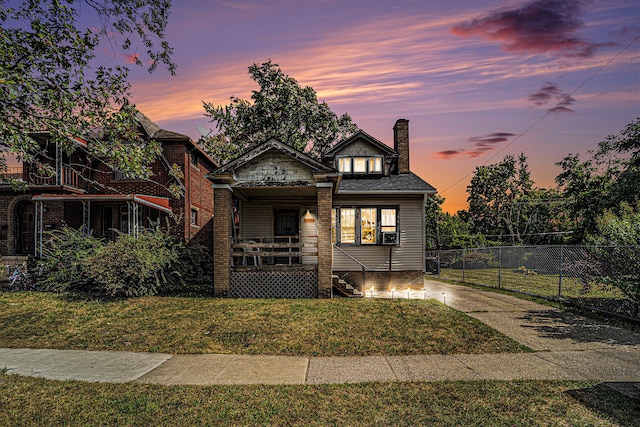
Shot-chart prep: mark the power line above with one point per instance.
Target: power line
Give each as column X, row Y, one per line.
column 548, row 112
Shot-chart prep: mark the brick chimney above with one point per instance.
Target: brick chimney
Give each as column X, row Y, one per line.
column 401, row 144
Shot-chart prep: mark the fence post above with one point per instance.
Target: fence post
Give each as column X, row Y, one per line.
column 464, row 255
column 500, row 267
column 560, row 275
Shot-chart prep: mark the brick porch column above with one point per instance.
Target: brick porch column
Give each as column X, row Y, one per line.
column 221, row 239
column 325, row 249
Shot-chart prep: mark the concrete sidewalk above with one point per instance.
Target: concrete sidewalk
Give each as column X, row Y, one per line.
column 567, row 347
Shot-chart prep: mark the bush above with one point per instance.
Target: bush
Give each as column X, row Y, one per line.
column 196, row 271
column 150, row 264
column 619, row 264
column 474, row 259
column 62, row 267
column 132, row 267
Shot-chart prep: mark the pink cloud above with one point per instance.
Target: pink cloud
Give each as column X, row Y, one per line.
column 550, row 92
column 479, row 145
column 539, row 26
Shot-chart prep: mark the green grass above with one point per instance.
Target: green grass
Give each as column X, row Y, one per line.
column 545, row 285
column 39, row 402
column 272, row 327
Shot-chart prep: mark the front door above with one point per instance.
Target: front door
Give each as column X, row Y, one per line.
column 26, row 228
column 286, row 223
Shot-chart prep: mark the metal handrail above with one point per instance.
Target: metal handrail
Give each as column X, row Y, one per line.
column 364, row 267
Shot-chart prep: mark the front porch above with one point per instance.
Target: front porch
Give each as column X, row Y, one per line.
column 274, row 267
column 272, row 225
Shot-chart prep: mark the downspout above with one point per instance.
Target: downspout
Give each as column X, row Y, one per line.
column 188, row 190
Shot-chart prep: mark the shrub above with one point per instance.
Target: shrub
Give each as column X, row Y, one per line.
column 133, row 266
column 619, row 264
column 196, row 270
column 62, row 267
column 150, row 264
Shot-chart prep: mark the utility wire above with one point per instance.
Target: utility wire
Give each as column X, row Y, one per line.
column 548, row 112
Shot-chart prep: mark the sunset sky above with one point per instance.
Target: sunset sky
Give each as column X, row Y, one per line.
column 477, row 80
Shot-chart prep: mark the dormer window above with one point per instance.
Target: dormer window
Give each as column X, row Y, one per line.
column 344, row 164
column 360, row 165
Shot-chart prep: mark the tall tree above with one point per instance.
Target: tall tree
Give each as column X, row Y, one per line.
column 280, row 109
column 505, row 205
column 494, row 198
column 605, row 180
column 48, row 82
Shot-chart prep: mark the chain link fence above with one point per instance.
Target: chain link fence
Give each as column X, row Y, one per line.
column 602, row 278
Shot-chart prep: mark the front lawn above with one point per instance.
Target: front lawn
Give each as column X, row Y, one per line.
column 244, row 326
column 544, row 285
column 39, row 402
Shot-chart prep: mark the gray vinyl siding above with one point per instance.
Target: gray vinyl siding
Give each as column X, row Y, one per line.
column 407, row 256
column 256, row 220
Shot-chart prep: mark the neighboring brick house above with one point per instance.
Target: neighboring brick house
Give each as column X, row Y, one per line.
column 285, row 223
column 85, row 193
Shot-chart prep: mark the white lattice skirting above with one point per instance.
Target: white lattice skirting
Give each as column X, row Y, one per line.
column 277, row 283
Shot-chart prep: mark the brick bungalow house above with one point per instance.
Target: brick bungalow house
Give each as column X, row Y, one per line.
column 286, row 223
column 84, row 192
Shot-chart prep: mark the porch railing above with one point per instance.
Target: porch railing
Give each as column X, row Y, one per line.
column 30, row 175
column 260, row 250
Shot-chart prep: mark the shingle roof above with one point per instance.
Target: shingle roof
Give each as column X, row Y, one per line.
column 272, row 143
column 402, row 183
column 360, row 134
column 153, row 131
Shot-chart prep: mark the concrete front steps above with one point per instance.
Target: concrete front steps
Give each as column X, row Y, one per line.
column 344, row 289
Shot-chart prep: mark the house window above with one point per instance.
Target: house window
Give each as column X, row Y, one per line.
column 333, row 226
column 375, row 165
column 124, row 218
column 360, row 165
column 122, row 176
column 363, row 225
column 344, row 164
column 389, row 221
column 348, row 225
column 193, row 156
column 368, row 226
column 194, row 217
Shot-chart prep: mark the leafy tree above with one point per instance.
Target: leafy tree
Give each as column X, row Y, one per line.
column 604, row 181
column 48, row 82
column 446, row 231
column 455, row 232
column 493, row 192
column 280, row 109
column 627, row 145
column 618, row 251
column 433, row 216
column 504, row 202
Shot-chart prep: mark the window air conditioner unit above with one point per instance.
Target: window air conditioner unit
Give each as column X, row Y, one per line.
column 390, row 238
